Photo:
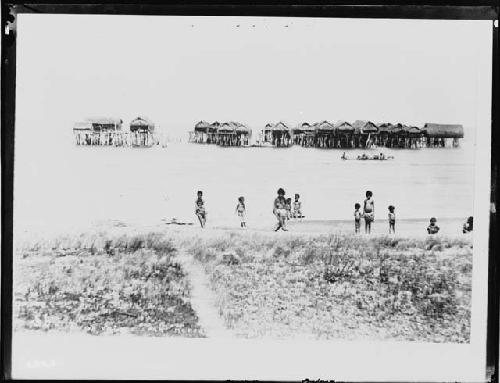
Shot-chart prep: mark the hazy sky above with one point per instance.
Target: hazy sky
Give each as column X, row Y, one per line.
column 179, row 70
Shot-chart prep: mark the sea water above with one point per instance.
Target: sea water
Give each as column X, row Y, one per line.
column 68, row 185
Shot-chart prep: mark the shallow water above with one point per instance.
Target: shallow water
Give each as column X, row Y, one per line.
column 72, row 186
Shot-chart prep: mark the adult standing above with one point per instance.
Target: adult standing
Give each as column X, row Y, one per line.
column 279, row 210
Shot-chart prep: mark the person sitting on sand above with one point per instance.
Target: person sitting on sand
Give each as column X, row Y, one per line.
column 369, row 211
column 240, row 210
column 357, row 217
column 392, row 220
column 297, row 207
column 432, row 228
column 468, row 226
column 279, row 210
column 200, row 209
column 344, row 157
column 364, row 156
column 381, row 156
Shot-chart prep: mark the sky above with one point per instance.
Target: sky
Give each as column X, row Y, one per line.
column 179, row 70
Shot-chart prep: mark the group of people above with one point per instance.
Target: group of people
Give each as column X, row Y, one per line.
column 368, row 214
column 284, row 210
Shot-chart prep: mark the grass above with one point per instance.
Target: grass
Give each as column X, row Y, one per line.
column 341, row 286
column 103, row 284
column 267, row 285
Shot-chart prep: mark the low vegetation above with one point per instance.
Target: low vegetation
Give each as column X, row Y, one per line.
column 103, row 284
column 269, row 285
column 341, row 286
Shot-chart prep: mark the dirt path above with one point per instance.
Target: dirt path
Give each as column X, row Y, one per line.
column 203, row 299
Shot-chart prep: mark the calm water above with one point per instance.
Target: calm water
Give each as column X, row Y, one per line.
column 75, row 186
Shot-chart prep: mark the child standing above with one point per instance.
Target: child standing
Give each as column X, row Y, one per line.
column 240, row 210
column 392, row 220
column 369, row 211
column 288, row 207
column 297, row 207
column 200, row 209
column 357, row 217
column 433, row 228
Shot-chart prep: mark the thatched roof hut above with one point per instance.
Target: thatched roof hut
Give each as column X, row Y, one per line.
column 412, row 130
column 397, row 128
column 443, row 130
column 343, row 127
column 279, row 126
column 83, row 125
column 233, row 127
column 202, row 127
column 241, row 128
column 303, row 127
column 324, row 126
column 385, row 127
column 226, row 127
column 142, row 124
column 365, row 127
column 105, row 123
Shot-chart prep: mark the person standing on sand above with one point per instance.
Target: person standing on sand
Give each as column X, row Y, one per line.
column 433, row 228
column 279, row 210
column 392, row 219
column 240, row 210
column 200, row 209
column 369, row 211
column 357, row 217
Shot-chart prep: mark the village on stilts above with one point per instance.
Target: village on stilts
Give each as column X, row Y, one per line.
column 360, row 134
column 341, row 135
column 109, row 132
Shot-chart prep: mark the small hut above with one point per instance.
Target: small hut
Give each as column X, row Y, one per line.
column 414, row 137
column 82, row 132
column 243, row 134
column 200, row 134
column 384, row 134
column 325, row 134
column 397, row 135
column 441, row 135
column 345, row 133
column 233, row 134
column 226, row 135
column 303, row 134
column 365, row 133
column 142, row 132
column 99, row 131
column 279, row 134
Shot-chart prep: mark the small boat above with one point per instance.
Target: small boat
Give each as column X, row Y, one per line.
column 364, row 157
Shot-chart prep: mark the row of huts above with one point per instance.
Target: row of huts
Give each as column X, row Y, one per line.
column 325, row 134
column 109, row 132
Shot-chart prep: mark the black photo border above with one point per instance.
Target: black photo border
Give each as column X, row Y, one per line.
column 430, row 9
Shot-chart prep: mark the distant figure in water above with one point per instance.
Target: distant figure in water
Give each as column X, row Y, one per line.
column 240, row 210
column 297, row 207
column 357, row 217
column 392, row 220
column 279, row 210
column 288, row 207
column 200, row 209
column 468, row 226
column 432, row 228
column 369, row 211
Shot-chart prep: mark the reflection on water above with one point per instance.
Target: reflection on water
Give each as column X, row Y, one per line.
column 77, row 185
